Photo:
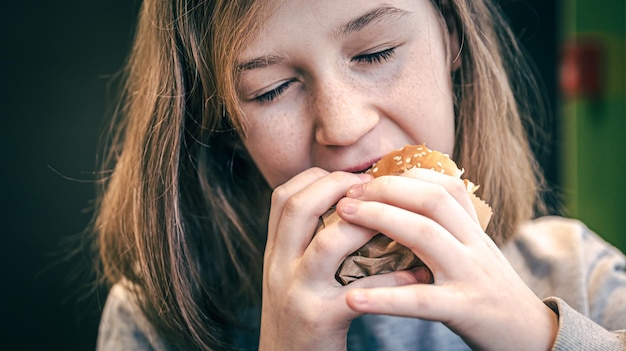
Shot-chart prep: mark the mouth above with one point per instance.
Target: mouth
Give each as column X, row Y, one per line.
column 362, row 167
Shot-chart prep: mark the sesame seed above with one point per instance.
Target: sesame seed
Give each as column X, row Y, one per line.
column 407, row 160
column 397, row 158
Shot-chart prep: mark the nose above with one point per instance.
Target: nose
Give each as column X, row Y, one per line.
column 343, row 114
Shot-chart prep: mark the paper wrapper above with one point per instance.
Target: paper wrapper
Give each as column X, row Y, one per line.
column 383, row 255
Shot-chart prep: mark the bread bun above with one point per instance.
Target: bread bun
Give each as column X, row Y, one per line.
column 381, row 254
column 410, row 156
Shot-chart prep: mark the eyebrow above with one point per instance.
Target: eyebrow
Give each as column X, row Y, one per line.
column 379, row 14
column 260, row 62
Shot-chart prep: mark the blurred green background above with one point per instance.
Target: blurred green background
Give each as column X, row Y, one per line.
column 593, row 129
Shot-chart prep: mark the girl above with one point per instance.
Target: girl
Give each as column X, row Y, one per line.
column 244, row 121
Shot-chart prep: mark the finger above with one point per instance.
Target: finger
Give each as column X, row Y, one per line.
column 425, row 301
column 426, row 238
column 282, row 193
column 455, row 186
column 301, row 210
column 331, row 245
column 433, row 200
column 420, row 275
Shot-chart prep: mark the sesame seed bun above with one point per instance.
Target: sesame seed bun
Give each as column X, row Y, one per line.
column 410, row 156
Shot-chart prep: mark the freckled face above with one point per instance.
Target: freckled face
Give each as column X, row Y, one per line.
column 337, row 84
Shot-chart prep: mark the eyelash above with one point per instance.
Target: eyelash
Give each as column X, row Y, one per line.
column 274, row 93
column 372, row 58
column 376, row 57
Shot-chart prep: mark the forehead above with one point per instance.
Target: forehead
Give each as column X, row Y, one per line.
column 304, row 20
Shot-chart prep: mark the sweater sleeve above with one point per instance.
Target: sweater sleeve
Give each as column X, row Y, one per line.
column 577, row 332
column 600, row 323
column 123, row 326
column 580, row 277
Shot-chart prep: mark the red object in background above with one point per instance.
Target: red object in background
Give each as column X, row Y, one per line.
column 582, row 69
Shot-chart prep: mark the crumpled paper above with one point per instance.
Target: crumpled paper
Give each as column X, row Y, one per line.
column 377, row 256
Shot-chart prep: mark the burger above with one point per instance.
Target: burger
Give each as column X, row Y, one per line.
column 382, row 254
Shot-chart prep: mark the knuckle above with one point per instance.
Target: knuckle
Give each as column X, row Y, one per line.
column 318, row 172
column 323, row 245
column 426, row 231
column 458, row 187
column 423, row 304
column 279, row 195
column 437, row 195
column 293, row 205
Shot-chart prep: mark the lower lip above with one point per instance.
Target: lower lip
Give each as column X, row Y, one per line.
column 361, row 169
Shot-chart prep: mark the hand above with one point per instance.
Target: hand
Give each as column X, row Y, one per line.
column 476, row 292
column 304, row 307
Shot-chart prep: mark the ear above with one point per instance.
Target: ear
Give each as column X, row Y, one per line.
column 455, row 44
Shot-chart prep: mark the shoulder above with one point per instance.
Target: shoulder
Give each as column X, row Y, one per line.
column 562, row 257
column 561, row 238
column 123, row 325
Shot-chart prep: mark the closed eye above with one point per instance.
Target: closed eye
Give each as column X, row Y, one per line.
column 274, row 93
column 376, row 57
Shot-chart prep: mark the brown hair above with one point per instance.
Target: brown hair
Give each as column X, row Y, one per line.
column 493, row 115
column 179, row 215
column 182, row 217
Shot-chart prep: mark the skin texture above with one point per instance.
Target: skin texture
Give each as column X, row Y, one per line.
column 327, row 90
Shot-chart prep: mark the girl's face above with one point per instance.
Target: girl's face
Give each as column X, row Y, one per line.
column 337, row 84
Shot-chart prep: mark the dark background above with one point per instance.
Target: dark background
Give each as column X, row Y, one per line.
column 57, row 63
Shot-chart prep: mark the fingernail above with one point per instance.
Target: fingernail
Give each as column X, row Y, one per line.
column 347, row 206
column 423, row 275
column 355, row 190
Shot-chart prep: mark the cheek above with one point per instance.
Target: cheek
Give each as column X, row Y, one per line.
column 422, row 101
column 278, row 149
